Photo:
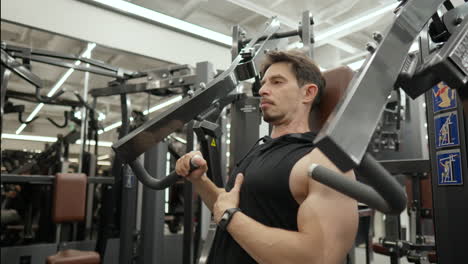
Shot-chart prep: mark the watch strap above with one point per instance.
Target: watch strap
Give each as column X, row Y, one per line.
column 224, row 222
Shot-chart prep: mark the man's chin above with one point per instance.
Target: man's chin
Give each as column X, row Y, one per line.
column 269, row 119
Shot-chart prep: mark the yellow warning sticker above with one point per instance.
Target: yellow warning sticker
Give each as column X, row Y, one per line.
column 213, row 143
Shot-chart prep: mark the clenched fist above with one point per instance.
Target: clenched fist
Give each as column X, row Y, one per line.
column 183, row 166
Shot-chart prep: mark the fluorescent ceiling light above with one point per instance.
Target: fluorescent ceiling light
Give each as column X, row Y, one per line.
column 266, row 12
column 130, row 8
column 50, row 139
column 414, row 47
column 56, row 87
column 356, row 65
column 181, row 140
column 357, row 22
column 162, row 105
column 108, row 128
column 62, row 80
column 354, row 22
column 101, row 115
column 104, row 163
column 146, row 112
column 93, row 143
column 100, row 162
column 30, row 138
column 103, row 157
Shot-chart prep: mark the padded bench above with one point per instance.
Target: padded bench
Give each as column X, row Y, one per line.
column 69, row 206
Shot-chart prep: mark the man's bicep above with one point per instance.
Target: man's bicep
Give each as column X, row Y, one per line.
column 330, row 218
column 324, row 208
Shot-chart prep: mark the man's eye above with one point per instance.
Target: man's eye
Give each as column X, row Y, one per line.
column 277, row 82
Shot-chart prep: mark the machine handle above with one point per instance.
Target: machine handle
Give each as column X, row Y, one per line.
column 383, row 193
column 153, row 183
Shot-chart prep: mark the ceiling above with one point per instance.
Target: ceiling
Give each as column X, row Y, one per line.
column 344, row 47
column 110, row 106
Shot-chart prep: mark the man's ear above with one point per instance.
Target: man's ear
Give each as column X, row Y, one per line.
column 311, row 91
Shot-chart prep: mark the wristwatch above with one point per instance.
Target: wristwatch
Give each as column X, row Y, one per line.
column 226, row 218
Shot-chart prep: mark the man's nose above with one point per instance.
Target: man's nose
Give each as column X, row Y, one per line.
column 263, row 90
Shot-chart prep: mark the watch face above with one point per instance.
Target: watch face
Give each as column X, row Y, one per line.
column 225, row 216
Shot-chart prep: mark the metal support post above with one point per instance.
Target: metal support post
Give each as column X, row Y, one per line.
column 416, row 204
column 307, row 33
column 84, row 126
column 129, row 196
column 5, row 76
column 188, row 247
column 448, row 150
column 90, row 197
column 245, row 115
column 152, row 222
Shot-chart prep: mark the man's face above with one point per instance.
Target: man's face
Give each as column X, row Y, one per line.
column 280, row 92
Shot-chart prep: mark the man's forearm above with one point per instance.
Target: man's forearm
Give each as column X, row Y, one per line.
column 273, row 245
column 207, row 190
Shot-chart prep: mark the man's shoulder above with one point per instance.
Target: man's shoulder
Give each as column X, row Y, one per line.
column 318, row 157
column 300, row 170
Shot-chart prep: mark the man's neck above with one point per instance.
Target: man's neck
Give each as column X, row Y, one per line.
column 292, row 127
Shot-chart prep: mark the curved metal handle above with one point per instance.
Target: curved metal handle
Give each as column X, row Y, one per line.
column 22, row 121
column 46, row 99
column 153, row 183
column 383, row 193
column 65, row 115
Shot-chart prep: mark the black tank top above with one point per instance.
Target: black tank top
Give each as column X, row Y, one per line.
column 265, row 195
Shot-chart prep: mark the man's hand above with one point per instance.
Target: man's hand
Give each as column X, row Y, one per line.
column 228, row 200
column 183, row 166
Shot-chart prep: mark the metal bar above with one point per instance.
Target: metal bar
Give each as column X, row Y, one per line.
column 90, row 197
column 58, row 232
column 32, row 98
column 72, row 65
column 84, row 123
column 138, row 141
column 416, row 203
column 5, row 76
column 383, row 193
column 236, row 44
column 376, row 81
column 101, row 180
column 152, row 223
column 188, row 242
column 11, row 178
column 20, row 69
column 307, row 33
column 37, row 53
column 207, row 244
column 278, row 35
column 48, row 179
column 19, row 50
column 129, row 196
column 144, row 87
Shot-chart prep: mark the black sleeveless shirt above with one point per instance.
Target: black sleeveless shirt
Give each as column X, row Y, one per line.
column 265, row 195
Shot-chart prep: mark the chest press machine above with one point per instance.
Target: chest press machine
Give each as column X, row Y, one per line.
column 389, row 67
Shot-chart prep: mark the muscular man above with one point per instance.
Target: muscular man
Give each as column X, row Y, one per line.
column 285, row 216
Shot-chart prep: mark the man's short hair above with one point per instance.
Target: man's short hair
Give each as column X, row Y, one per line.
column 303, row 67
